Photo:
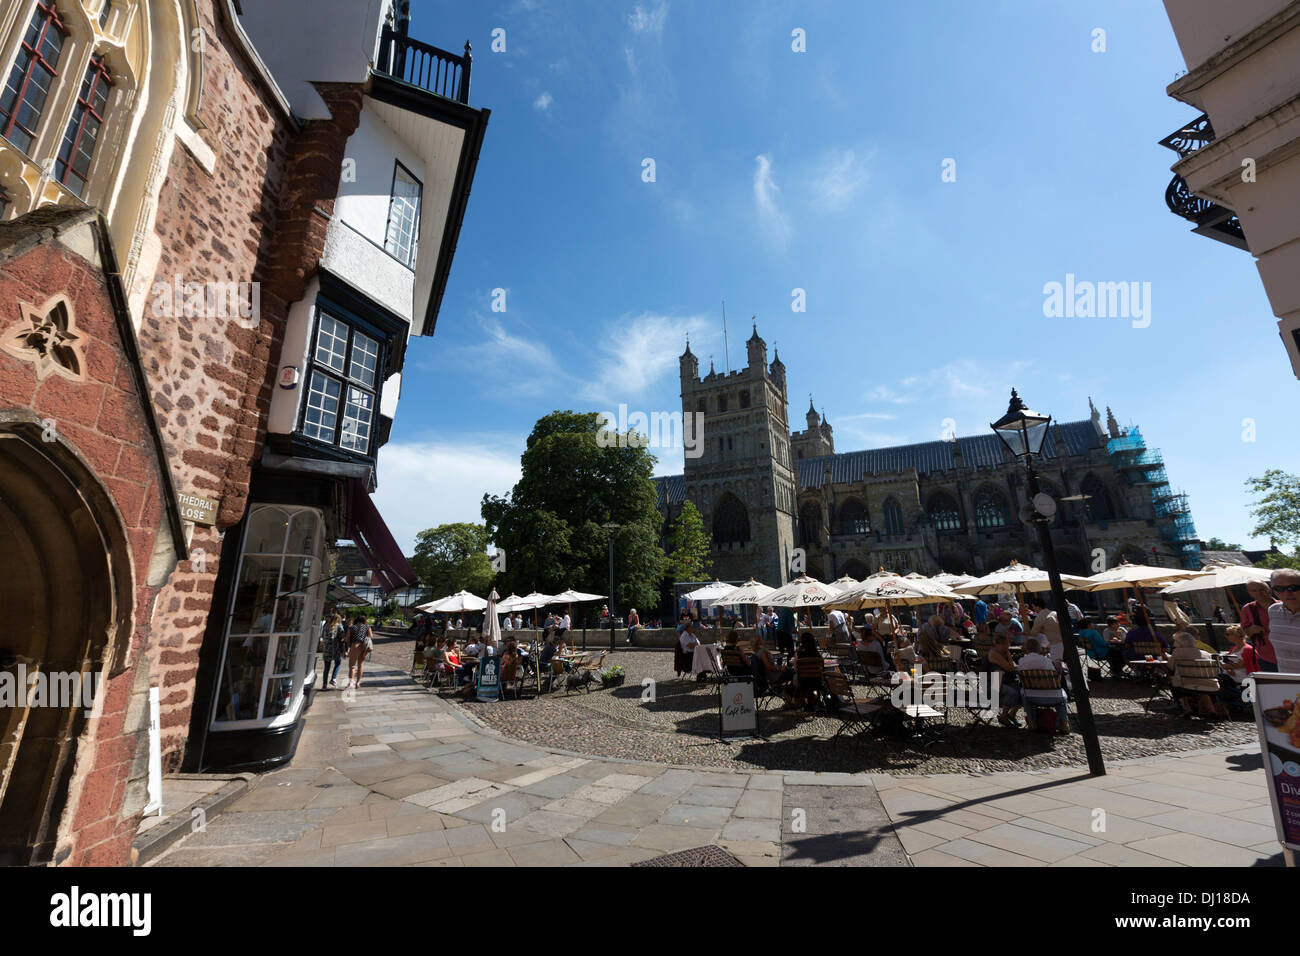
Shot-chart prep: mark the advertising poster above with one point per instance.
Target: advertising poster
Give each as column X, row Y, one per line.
column 1277, row 716
column 737, row 713
column 489, row 678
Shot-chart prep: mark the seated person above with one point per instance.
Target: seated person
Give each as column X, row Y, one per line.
column 1001, row 663
column 930, row 644
column 1194, row 694
column 548, row 652
column 1112, row 632
column 1093, row 644
column 1235, row 666
column 877, row 666
column 983, row 640
column 808, row 686
column 904, row 654
column 765, row 669
column 733, row 658
column 1011, row 627
column 1143, row 639
column 1035, row 660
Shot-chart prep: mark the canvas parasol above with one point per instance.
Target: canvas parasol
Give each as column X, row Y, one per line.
column 1018, row 578
column 459, row 603
column 1136, row 577
column 1226, row 576
column 572, row 597
column 492, row 626
column 803, row 591
column 751, row 592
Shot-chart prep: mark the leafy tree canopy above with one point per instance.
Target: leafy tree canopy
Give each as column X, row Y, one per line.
column 453, row 557
column 688, row 547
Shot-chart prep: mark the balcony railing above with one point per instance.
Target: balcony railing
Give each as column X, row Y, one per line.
column 425, row 66
column 1213, row 220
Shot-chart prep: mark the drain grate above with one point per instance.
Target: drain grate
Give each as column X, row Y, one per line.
column 696, row 856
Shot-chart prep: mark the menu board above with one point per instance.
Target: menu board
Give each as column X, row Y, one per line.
column 488, row 678
column 1277, row 717
column 736, row 711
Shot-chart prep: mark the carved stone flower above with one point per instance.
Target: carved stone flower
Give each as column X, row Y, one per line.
column 47, row 337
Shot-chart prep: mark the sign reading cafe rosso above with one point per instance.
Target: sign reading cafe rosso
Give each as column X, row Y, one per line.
column 197, row 509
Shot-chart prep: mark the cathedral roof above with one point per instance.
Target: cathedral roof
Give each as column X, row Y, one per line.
column 976, row 451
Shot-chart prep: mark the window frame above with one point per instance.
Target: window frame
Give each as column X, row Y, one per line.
column 409, row 261
column 354, row 325
column 49, row 17
column 860, row 525
column 957, row 524
column 891, row 508
column 83, row 109
column 991, row 496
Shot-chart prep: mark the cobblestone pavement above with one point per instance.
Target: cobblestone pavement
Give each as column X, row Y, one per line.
column 398, row 777
column 679, row 725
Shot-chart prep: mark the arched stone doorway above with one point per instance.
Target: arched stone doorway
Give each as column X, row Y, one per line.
column 66, row 586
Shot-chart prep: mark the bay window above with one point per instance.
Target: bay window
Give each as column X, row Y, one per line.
column 342, row 385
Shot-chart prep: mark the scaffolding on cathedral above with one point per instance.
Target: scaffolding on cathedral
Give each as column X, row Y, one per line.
column 1145, row 467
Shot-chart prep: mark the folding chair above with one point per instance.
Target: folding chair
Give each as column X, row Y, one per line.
column 809, row 678
column 861, row 714
column 1041, row 688
column 734, row 662
column 1200, row 670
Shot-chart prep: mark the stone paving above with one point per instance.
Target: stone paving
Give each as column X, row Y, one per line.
column 396, row 776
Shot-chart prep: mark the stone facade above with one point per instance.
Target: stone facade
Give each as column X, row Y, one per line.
column 945, row 505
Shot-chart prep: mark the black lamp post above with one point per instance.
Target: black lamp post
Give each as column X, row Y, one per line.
column 611, row 527
column 1023, row 432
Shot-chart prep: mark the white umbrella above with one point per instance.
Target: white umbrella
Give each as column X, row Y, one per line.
column 510, row 604
column 1016, row 577
column 951, row 580
column 1219, row 576
column 458, row 603
column 751, row 592
column 572, row 597
column 709, row 592
column 491, row 624
column 1134, row 576
column 803, row 591
column 891, row 590
column 842, row 584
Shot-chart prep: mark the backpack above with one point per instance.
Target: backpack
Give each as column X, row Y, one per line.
column 1045, row 722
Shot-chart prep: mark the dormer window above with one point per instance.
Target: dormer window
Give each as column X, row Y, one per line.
column 403, row 216
column 343, row 386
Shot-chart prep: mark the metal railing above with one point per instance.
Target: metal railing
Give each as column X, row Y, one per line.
column 1211, row 219
column 425, row 66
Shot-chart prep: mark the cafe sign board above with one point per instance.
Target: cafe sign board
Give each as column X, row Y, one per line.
column 196, row 508
column 488, row 681
column 1277, row 718
column 737, row 715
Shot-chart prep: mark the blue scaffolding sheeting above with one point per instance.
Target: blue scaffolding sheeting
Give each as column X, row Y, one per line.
column 1145, row 467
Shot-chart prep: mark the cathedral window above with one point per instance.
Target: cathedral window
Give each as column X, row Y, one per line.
column 893, row 517
column 744, row 399
column 73, row 164
column 34, row 71
column 1098, row 506
column 810, row 522
column 991, row 509
column 730, row 521
column 853, row 518
column 722, row 403
column 943, row 512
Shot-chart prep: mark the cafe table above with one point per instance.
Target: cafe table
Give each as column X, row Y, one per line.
column 706, row 658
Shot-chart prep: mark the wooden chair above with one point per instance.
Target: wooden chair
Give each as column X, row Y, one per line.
column 852, row 712
column 512, row 675
column 1207, row 700
column 735, row 663
column 809, row 678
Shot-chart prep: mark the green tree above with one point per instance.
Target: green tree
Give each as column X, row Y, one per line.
column 1218, row 544
column 1277, row 508
column 551, row 525
column 453, row 557
column 1280, row 559
column 688, row 547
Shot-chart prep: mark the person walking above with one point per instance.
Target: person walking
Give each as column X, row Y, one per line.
column 332, row 650
column 361, row 641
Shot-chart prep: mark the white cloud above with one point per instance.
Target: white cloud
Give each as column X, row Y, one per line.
column 425, row 484
column 637, row 351
column 506, row 353
column 642, row 20
column 838, row 179
column 770, row 217
column 543, row 102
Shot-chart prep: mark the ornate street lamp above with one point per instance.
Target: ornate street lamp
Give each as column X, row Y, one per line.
column 1023, row 432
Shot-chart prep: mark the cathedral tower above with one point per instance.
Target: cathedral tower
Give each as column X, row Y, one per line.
column 743, row 481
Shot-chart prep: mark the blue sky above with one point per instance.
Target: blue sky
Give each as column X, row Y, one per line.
column 821, row 170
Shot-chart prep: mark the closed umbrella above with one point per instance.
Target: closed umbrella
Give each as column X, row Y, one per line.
column 491, row 625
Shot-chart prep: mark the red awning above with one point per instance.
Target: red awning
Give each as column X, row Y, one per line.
column 375, row 542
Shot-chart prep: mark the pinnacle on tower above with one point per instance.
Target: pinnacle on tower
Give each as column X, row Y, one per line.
column 814, row 420
column 756, row 349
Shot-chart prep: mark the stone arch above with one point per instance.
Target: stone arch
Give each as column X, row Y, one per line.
column 67, row 583
column 1100, row 505
column 730, row 521
column 943, row 511
column 855, row 568
column 992, row 510
column 852, row 517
